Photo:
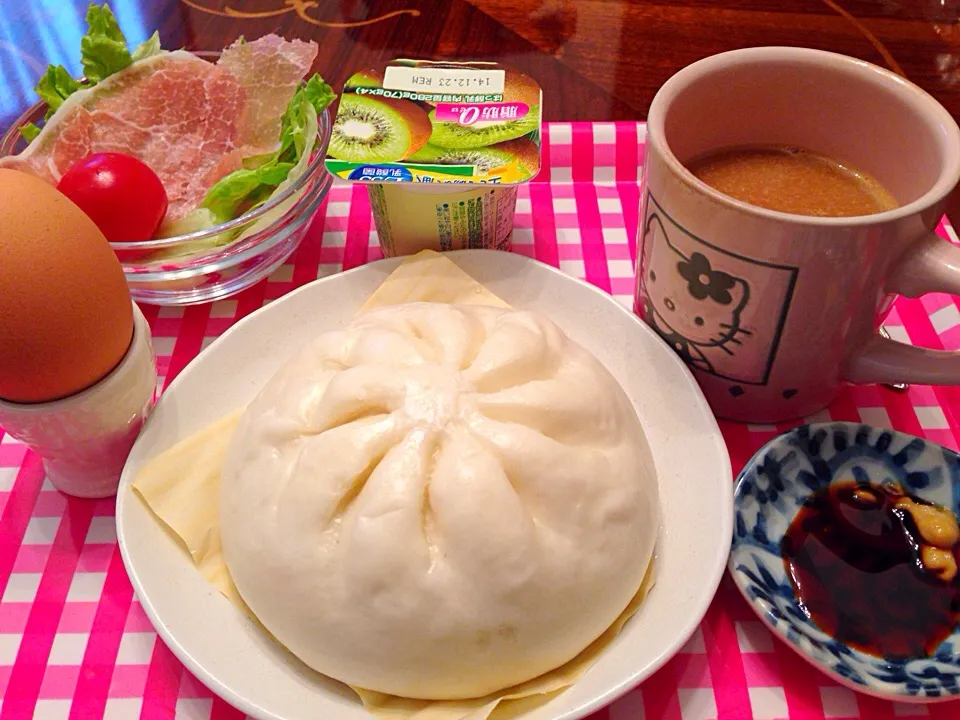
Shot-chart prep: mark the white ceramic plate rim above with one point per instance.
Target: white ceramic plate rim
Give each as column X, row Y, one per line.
column 708, row 578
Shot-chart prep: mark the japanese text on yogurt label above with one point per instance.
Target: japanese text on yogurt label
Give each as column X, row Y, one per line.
column 468, row 114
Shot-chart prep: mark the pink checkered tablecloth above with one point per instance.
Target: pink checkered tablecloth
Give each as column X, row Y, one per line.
column 74, row 641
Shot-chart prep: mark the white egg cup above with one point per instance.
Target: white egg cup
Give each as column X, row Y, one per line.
column 84, row 439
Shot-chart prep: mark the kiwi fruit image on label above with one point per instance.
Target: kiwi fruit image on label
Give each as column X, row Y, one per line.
column 364, row 78
column 483, row 159
column 427, row 121
column 518, row 88
column 377, row 129
column 483, row 133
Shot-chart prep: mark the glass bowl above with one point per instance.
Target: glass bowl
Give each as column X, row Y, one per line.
column 190, row 269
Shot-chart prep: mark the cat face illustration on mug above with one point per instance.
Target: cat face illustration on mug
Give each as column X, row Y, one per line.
column 694, row 307
column 722, row 312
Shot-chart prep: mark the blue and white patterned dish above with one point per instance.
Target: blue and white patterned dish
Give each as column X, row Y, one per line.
column 772, row 488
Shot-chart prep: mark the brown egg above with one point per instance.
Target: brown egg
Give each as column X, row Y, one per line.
column 65, row 315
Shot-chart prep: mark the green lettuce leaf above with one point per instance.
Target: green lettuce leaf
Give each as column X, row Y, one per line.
column 199, row 219
column 55, row 86
column 103, row 50
column 148, row 48
column 318, row 93
column 245, row 189
column 310, row 134
column 29, row 131
column 229, row 197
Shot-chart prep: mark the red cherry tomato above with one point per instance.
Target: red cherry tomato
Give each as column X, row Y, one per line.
column 123, row 196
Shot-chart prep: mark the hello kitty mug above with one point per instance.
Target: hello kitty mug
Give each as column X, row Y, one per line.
column 774, row 312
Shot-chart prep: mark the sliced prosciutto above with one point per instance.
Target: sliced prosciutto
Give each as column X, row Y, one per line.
column 269, row 69
column 191, row 121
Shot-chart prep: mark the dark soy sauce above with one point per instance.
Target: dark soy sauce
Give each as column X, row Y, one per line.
column 854, row 558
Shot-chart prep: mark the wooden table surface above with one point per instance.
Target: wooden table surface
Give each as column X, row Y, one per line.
column 596, row 59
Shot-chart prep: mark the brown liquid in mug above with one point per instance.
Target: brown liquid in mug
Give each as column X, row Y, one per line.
column 792, row 180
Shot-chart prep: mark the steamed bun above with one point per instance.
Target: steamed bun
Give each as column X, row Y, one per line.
column 439, row 501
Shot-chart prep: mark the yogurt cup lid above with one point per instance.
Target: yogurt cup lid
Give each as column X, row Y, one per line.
column 422, row 121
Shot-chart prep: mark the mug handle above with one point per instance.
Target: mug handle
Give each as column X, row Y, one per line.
column 932, row 266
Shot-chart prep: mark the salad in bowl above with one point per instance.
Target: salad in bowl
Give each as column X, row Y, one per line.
column 203, row 170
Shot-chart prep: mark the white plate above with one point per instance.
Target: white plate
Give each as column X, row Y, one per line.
column 249, row 670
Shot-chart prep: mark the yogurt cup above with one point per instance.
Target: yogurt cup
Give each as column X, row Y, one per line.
column 452, row 142
column 424, row 216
